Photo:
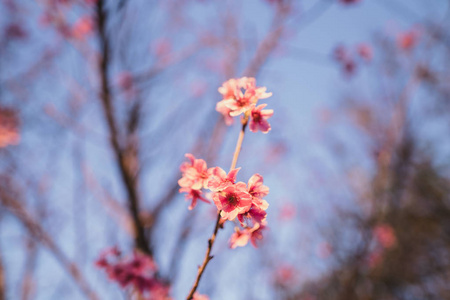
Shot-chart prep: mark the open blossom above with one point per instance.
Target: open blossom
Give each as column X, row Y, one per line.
column 233, row 200
column 220, row 179
column 254, row 215
column 259, row 118
column 239, row 95
column 195, row 177
column 225, row 111
column 241, row 237
column 258, row 191
column 193, row 195
column 195, row 173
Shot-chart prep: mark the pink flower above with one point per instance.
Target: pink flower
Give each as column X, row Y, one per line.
column 229, row 88
column 239, row 238
column 239, row 95
column 233, row 200
column 256, row 234
column 194, row 195
column 253, row 216
column 258, row 191
column 259, row 118
column 197, row 296
column 195, row 173
column 225, row 111
column 220, row 180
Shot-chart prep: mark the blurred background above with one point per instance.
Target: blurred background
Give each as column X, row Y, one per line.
column 101, row 99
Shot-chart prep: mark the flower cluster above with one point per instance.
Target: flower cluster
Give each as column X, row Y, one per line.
column 195, row 177
column 137, row 272
column 240, row 96
column 233, row 199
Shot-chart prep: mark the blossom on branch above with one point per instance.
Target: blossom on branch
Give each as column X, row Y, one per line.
column 137, row 272
column 220, row 179
column 239, row 97
column 259, row 118
column 233, row 200
column 195, row 177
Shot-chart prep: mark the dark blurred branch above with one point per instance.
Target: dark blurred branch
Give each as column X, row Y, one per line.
column 124, row 167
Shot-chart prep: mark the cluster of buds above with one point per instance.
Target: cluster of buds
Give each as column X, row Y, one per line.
column 240, row 97
column 137, row 273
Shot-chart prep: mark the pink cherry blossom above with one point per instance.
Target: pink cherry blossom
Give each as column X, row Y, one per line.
column 256, row 234
column 220, row 179
column 254, row 215
column 239, row 95
column 229, row 88
column 258, row 191
column 225, row 111
column 195, row 174
column 259, row 118
column 233, row 200
column 197, row 296
column 239, row 238
column 194, row 195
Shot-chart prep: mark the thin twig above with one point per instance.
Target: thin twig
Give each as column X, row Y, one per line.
column 208, row 257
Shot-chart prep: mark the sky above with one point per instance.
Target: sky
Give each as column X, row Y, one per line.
column 304, row 80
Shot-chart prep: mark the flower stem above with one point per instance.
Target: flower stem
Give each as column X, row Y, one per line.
column 211, row 240
column 238, row 145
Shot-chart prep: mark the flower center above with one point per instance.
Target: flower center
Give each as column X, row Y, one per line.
column 232, row 199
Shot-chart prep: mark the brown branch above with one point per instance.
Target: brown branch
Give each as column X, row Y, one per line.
column 122, row 162
column 211, row 240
